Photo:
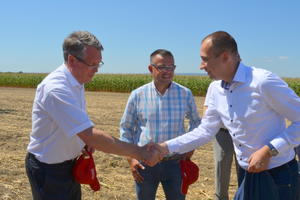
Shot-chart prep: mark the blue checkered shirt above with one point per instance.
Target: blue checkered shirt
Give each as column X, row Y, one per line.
column 150, row 116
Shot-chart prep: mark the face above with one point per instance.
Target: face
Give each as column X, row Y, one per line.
column 162, row 69
column 210, row 63
column 84, row 69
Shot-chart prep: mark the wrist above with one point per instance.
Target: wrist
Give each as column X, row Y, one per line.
column 165, row 148
column 272, row 150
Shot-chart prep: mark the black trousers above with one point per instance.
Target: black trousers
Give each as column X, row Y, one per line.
column 52, row 181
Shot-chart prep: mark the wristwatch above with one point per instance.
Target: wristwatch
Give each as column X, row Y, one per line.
column 272, row 151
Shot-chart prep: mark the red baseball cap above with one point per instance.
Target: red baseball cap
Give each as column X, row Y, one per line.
column 189, row 173
column 84, row 171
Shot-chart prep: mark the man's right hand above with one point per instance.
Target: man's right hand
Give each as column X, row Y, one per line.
column 134, row 166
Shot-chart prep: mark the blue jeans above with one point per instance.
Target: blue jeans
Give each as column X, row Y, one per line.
column 285, row 178
column 168, row 174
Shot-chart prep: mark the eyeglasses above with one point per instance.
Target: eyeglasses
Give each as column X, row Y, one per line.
column 164, row 67
column 88, row 65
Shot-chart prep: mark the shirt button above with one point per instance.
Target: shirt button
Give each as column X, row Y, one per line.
column 230, row 106
column 233, row 135
column 240, row 145
column 230, row 91
column 240, row 158
column 231, row 120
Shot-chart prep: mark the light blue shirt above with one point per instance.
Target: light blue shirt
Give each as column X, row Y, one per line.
column 150, row 116
column 253, row 109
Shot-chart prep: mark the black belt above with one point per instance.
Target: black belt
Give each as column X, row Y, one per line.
column 173, row 157
column 283, row 167
column 62, row 164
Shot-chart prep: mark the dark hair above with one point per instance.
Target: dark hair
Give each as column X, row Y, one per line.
column 162, row 52
column 75, row 44
column 222, row 41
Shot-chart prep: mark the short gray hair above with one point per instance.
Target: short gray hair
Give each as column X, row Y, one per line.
column 75, row 44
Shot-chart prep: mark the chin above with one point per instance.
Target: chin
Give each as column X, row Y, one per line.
column 88, row 80
column 211, row 77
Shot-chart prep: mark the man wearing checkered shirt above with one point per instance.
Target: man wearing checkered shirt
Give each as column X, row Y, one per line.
column 156, row 112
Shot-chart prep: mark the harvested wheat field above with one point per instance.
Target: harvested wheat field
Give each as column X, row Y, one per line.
column 105, row 110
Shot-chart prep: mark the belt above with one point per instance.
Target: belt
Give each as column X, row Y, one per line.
column 173, row 157
column 62, row 164
column 283, row 167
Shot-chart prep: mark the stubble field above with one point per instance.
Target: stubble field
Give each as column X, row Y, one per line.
column 105, row 110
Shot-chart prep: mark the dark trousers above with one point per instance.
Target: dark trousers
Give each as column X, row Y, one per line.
column 285, row 178
column 52, row 181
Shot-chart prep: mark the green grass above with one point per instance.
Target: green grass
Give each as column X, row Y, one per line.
column 122, row 82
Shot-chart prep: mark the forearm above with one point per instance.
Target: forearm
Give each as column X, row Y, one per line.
column 101, row 141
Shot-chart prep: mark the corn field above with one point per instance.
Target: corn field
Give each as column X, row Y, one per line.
column 122, row 82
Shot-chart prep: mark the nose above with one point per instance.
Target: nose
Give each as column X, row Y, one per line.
column 202, row 65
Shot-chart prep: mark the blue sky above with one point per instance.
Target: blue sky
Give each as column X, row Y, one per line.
column 32, row 32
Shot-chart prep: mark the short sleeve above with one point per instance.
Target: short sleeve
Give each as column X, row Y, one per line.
column 66, row 112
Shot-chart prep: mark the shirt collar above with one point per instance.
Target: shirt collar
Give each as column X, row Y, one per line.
column 153, row 86
column 73, row 81
column 240, row 76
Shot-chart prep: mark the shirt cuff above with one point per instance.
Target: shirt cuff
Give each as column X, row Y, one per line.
column 280, row 144
column 172, row 146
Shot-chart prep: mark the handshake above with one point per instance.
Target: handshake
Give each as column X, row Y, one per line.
column 152, row 153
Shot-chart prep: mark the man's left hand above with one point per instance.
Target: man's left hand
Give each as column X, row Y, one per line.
column 259, row 160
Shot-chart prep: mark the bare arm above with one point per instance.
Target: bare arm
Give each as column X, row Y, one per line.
column 101, row 141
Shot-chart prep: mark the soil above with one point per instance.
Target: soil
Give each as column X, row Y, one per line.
column 105, row 110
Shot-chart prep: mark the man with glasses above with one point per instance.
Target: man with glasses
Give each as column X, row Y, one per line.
column 61, row 127
column 155, row 112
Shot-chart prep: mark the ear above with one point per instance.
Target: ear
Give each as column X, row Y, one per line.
column 225, row 56
column 150, row 68
column 71, row 59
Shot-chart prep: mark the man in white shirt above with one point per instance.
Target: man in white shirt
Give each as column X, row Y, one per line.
column 252, row 104
column 61, row 127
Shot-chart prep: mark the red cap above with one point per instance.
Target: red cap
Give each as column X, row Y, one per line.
column 189, row 173
column 84, row 171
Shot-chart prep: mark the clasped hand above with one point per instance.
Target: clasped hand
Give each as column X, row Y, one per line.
column 152, row 153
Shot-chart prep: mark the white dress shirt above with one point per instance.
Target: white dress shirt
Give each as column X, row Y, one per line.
column 58, row 114
column 253, row 109
column 209, row 97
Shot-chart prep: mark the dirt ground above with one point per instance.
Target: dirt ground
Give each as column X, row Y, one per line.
column 105, row 110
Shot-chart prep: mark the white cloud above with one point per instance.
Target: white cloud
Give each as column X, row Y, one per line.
column 267, row 59
column 283, row 57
